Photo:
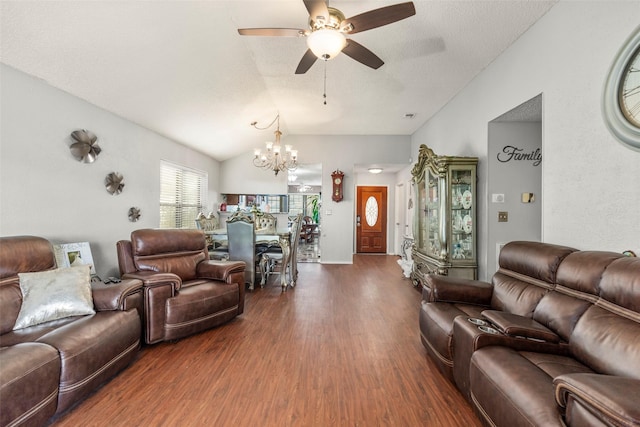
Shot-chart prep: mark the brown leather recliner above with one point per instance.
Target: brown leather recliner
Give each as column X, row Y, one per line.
column 184, row 291
column 552, row 341
column 527, row 270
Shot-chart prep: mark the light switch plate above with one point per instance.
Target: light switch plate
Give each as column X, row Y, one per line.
column 528, row 197
column 497, row 198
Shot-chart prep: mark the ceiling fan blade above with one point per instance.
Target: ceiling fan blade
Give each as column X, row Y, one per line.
column 379, row 17
column 308, row 59
column 317, row 8
column 361, row 54
column 272, row 32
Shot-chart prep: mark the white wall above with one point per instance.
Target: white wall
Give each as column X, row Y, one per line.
column 591, row 196
column 45, row 191
column 238, row 175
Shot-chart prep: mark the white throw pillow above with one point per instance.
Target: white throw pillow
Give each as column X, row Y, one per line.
column 54, row 294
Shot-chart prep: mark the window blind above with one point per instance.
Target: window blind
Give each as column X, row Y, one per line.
column 182, row 195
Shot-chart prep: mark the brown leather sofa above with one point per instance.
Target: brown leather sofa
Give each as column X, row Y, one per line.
column 184, row 291
column 46, row 368
column 553, row 340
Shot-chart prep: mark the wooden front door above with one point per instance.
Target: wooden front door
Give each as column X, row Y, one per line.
column 371, row 220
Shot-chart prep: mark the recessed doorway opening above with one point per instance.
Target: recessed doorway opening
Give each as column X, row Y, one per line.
column 514, row 168
column 305, row 197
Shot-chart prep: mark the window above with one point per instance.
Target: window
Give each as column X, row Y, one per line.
column 276, row 203
column 182, row 195
column 306, row 204
column 296, row 204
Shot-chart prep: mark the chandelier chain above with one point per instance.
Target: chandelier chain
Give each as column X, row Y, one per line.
column 324, row 95
column 255, row 124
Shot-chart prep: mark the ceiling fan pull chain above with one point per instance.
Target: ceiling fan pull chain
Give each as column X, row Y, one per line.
column 324, row 95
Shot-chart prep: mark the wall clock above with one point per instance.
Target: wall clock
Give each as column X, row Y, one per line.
column 621, row 96
column 337, row 178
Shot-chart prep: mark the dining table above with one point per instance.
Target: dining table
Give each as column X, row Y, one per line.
column 279, row 237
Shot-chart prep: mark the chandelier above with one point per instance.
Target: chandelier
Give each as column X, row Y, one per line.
column 273, row 158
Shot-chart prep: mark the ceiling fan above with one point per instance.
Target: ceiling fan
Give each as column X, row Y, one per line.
column 328, row 30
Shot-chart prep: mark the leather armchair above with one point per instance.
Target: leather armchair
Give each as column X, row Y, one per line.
column 184, row 291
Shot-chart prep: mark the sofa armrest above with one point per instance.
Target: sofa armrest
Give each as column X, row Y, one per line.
column 219, row 270
column 152, row 279
column 113, row 296
column 520, row 326
column 457, row 290
column 157, row 289
column 612, row 399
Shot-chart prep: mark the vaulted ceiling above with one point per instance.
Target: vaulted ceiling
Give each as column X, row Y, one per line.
column 181, row 69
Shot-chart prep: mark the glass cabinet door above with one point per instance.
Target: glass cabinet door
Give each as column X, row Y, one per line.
column 433, row 244
column 462, row 214
column 422, row 225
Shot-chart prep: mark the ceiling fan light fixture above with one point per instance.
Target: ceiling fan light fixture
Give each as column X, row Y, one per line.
column 326, row 43
column 327, row 30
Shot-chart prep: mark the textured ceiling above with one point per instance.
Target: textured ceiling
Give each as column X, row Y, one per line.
column 180, row 68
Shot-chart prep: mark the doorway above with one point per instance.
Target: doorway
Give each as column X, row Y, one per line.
column 305, row 198
column 371, row 220
column 514, row 182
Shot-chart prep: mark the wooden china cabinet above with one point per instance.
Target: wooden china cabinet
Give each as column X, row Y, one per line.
column 445, row 217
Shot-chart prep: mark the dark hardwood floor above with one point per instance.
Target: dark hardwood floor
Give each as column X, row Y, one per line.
column 341, row 349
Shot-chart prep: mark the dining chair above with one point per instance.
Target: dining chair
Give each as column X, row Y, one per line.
column 266, row 221
column 241, row 236
column 296, row 225
column 307, row 226
column 218, row 249
column 207, row 222
column 273, row 256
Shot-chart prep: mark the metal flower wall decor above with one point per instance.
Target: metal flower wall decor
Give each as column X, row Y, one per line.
column 134, row 214
column 113, row 183
column 85, row 149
